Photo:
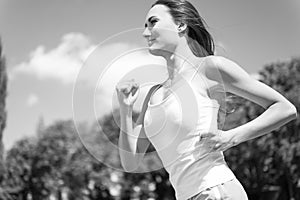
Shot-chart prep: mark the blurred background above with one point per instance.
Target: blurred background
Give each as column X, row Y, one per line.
column 52, row 55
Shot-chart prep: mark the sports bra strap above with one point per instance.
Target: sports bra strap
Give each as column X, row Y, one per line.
column 148, row 96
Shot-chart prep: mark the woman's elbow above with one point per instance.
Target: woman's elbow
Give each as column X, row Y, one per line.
column 294, row 112
column 291, row 111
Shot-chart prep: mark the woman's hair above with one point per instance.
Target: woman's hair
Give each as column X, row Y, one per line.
column 199, row 39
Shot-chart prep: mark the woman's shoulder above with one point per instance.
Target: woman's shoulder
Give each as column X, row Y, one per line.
column 214, row 67
column 207, row 63
column 223, row 69
column 219, row 64
column 214, row 60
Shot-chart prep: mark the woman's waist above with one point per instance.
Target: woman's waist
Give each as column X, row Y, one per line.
column 173, row 158
column 187, row 169
column 199, row 178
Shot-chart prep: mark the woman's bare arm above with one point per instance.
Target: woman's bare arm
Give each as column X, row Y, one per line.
column 278, row 111
column 133, row 141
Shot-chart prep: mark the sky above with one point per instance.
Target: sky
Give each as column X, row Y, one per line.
column 65, row 57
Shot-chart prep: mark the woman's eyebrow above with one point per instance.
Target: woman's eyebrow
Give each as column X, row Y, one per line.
column 149, row 19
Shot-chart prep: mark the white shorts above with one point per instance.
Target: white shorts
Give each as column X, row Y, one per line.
column 231, row 190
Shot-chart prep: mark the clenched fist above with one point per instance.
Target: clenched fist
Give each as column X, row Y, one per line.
column 127, row 92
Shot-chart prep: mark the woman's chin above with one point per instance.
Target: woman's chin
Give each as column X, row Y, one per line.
column 155, row 51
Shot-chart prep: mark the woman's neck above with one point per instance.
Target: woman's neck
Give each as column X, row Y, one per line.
column 176, row 60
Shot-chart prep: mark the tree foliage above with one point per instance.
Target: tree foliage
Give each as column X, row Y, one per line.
column 3, row 114
column 53, row 164
column 3, row 92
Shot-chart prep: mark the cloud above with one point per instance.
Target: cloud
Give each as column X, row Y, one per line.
column 62, row 63
column 76, row 58
column 96, row 68
column 32, row 100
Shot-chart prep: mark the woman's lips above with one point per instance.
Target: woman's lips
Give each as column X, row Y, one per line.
column 150, row 42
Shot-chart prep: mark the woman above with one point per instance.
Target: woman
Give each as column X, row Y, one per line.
column 193, row 156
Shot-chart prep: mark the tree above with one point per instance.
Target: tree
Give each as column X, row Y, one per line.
column 18, row 174
column 62, row 163
column 285, row 78
column 53, row 163
column 3, row 92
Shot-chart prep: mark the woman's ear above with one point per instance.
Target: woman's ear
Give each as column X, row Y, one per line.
column 181, row 27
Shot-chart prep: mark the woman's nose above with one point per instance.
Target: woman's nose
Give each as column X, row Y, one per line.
column 146, row 32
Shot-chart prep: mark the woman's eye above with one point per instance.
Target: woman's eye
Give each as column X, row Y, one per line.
column 153, row 21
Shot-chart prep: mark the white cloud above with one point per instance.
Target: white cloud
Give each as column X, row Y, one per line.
column 62, row 63
column 32, row 100
column 76, row 58
column 98, row 67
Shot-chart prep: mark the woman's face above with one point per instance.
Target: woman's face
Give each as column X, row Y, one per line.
column 161, row 32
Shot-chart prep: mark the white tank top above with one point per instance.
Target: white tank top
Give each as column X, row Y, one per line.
column 174, row 127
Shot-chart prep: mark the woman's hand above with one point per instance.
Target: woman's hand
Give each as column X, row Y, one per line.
column 219, row 140
column 127, row 92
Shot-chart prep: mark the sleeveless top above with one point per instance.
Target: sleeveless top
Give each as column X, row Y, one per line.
column 174, row 128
